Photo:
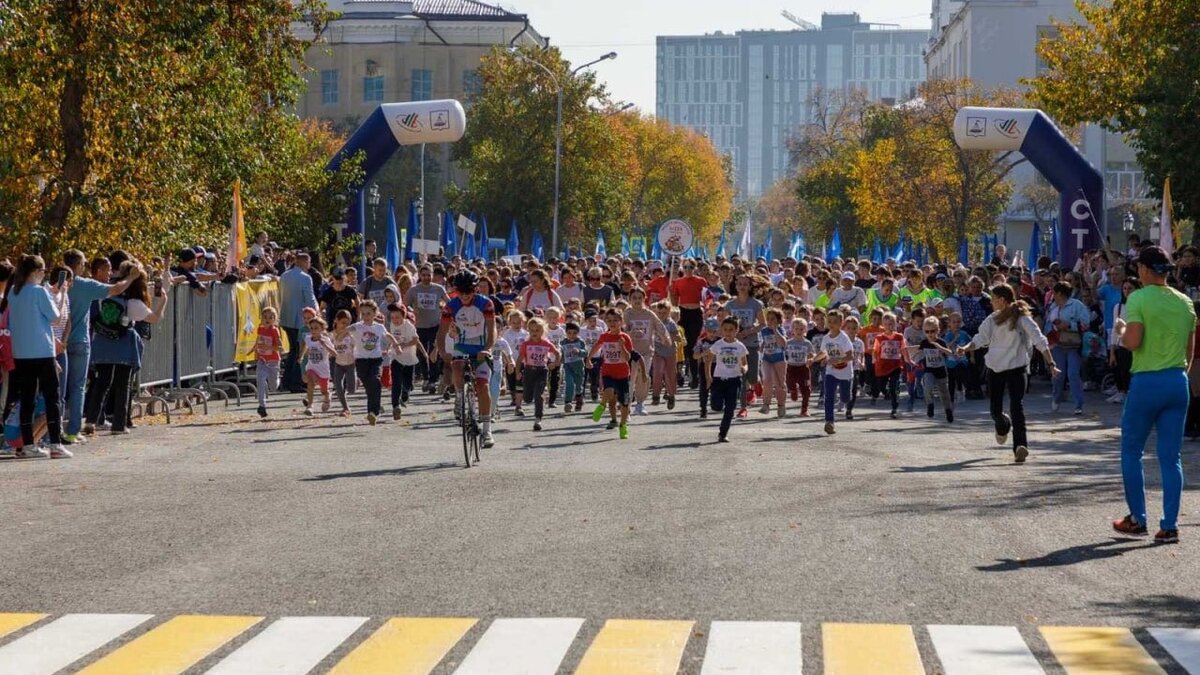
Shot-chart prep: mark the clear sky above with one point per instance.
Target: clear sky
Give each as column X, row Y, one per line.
column 585, row 29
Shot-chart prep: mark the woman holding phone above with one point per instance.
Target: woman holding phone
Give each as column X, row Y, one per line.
column 31, row 314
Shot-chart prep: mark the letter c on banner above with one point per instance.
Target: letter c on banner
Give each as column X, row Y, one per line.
column 1081, row 209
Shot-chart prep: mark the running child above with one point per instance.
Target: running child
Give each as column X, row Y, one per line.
column 708, row 337
column 590, row 332
column 515, row 334
column 555, row 333
column 615, row 349
column 837, row 354
column 268, row 351
column 851, row 326
column 404, row 358
column 772, row 348
column 664, row 373
column 957, row 366
column 369, row 340
column 342, row 368
column 799, row 356
column 932, row 353
column 503, row 363
column 534, row 360
column 729, row 360
column 889, row 356
column 317, row 351
column 574, row 350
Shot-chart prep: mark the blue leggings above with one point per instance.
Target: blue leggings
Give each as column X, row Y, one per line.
column 833, row 387
column 1159, row 400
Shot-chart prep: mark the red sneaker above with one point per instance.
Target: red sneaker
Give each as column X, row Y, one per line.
column 743, row 414
column 1162, row 537
column 1128, row 525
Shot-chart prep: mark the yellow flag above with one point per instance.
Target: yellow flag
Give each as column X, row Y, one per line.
column 237, row 230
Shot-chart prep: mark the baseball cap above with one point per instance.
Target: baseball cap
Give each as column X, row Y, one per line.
column 187, row 255
column 847, row 276
column 590, row 312
column 1155, row 258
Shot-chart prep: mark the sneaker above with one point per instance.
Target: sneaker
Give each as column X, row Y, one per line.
column 487, row 441
column 567, row 407
column 949, row 416
column 829, row 428
column 1109, row 391
column 895, row 414
column 722, row 439
column 765, row 409
column 262, row 411
column 704, row 413
column 57, row 451
column 624, row 431
column 639, row 409
column 1079, row 411
column 1166, row 537
column 395, row 413
column 325, row 406
column 446, row 395
column 929, row 411
column 612, row 424
column 118, row 432
column 552, row 405
column 743, row 414
column 656, row 400
column 1002, row 439
column 70, row 439
column 781, row 413
column 670, row 403
column 598, row 413
column 752, row 399
column 32, row 452
column 1054, row 405
column 308, row 411
column 371, row 419
column 537, row 426
column 1020, row 454
column 1128, row 525
column 519, row 412
column 849, row 415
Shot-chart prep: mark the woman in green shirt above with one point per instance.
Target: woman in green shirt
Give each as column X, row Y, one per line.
column 1159, row 328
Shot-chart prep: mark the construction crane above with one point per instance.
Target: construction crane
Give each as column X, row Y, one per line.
column 805, row 25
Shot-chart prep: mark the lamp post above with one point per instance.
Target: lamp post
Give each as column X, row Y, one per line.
column 373, row 198
column 558, row 128
column 1128, row 224
column 1156, row 229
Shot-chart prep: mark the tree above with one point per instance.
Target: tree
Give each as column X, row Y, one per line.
column 508, row 150
column 127, row 121
column 1131, row 68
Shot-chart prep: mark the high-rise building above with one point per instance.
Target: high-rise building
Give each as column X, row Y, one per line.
column 994, row 43
column 749, row 91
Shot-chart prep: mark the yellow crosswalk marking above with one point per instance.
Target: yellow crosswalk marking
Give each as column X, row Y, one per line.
column 1099, row 651
column 627, row 647
column 404, row 646
column 173, row 647
column 10, row 623
column 870, row 649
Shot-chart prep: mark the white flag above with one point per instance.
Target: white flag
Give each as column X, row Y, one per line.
column 746, row 246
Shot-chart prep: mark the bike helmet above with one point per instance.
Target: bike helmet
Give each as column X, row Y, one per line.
column 465, row 281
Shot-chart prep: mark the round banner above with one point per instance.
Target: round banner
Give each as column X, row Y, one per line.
column 675, row 237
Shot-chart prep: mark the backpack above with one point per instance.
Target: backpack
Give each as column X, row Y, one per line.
column 109, row 319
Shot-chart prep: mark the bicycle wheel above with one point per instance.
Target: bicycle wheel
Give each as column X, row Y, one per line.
column 467, row 416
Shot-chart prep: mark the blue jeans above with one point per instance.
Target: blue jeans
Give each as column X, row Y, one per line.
column 79, row 357
column 1070, row 366
column 1158, row 400
column 834, row 387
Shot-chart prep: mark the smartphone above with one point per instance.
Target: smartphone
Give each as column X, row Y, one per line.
column 60, row 279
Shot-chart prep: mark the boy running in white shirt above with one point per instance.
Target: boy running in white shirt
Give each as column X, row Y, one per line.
column 404, row 357
column 369, row 341
column 728, row 359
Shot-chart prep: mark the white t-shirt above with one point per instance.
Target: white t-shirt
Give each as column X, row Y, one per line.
column 556, row 335
column 567, row 294
column 317, row 356
column 728, row 355
column 136, row 310
column 405, row 332
column 590, row 335
column 837, row 348
column 345, row 349
column 368, row 340
column 499, row 349
column 860, row 354
column 515, row 338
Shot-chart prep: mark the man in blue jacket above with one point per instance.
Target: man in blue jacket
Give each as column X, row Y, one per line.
column 295, row 293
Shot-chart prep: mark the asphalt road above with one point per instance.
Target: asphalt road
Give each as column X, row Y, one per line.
column 908, row 521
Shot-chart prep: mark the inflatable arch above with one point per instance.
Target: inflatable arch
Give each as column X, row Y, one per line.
column 390, row 126
column 1080, row 186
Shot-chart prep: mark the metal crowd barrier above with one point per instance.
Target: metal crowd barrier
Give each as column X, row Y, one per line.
column 192, row 355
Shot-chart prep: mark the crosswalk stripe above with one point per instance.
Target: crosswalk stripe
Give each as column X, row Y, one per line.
column 983, row 650
column 292, row 645
column 521, row 647
column 404, row 646
column 752, row 648
column 10, row 623
column 1183, row 644
column 63, row 641
column 173, row 647
column 874, row 649
column 1099, row 651
column 632, row 647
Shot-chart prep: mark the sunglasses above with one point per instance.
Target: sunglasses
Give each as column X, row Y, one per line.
column 931, row 332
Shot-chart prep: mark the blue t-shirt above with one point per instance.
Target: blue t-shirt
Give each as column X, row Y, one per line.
column 29, row 315
column 83, row 293
column 1111, row 295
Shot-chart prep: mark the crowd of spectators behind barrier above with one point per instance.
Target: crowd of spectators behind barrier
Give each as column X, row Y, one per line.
column 85, row 381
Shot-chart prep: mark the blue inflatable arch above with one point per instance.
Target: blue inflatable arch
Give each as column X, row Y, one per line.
column 1080, row 186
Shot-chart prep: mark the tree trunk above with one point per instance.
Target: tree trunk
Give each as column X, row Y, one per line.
column 72, row 126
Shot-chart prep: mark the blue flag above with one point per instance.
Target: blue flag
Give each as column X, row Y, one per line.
column 483, row 249
column 1054, row 234
column 898, row 252
column 769, row 246
column 801, row 247
column 656, row 249
column 449, row 236
column 514, row 241
column 601, row 248
column 1035, row 246
column 835, row 245
column 410, row 232
column 537, row 246
column 964, row 254
column 877, row 252
column 721, row 242
column 624, row 244
column 391, row 250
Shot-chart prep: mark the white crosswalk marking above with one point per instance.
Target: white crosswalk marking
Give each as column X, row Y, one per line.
column 983, row 650
column 752, row 647
column 1183, row 644
column 521, row 647
column 64, row 641
column 291, row 646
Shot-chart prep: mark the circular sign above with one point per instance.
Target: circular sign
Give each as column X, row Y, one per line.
column 675, row 237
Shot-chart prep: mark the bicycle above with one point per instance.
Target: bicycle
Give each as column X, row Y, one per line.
column 469, row 421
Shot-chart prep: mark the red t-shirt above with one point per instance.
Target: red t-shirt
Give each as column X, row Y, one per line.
column 612, row 363
column 268, row 344
column 889, row 353
column 536, row 353
column 656, row 290
column 689, row 289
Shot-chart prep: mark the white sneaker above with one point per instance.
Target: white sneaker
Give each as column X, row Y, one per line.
column 1079, row 411
column 58, row 451
column 7, row 453
column 487, row 441
column 1054, row 406
column 1117, row 398
column 32, row 452
column 1002, row 439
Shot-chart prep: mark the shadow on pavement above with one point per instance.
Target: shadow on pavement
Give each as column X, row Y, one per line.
column 1162, row 609
column 1068, row 556
column 374, row 473
column 965, row 465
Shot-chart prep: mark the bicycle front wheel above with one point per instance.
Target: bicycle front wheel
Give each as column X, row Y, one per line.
column 467, row 419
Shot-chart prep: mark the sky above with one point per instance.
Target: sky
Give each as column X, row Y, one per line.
column 586, row 29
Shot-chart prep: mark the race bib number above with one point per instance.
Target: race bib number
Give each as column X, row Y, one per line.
column 640, row 328
column 890, row 350
column 934, row 358
column 745, row 317
column 316, row 355
column 612, row 353
column 426, row 301
column 536, row 356
column 265, row 345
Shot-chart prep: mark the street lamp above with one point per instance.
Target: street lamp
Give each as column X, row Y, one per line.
column 558, row 127
column 373, row 198
column 1128, row 223
column 619, row 109
column 1156, row 228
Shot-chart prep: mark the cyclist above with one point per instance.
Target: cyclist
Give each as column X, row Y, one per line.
column 475, row 320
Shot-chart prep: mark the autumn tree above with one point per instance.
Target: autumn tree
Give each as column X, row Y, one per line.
column 780, row 210
column 127, row 121
column 1131, row 68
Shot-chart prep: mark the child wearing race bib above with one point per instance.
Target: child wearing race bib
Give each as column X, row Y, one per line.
column 317, row 350
column 404, row 357
column 342, row 368
column 590, row 332
column 799, row 356
column 555, row 333
column 708, row 337
column 535, row 358
column 574, row 349
column 614, row 348
column 515, row 335
column 369, row 341
column 728, row 357
column 851, row 325
column 889, row 360
column 268, row 350
column 772, row 347
column 837, row 352
column 663, row 369
column 932, row 352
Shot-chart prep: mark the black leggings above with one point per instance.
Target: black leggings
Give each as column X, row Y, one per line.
column 692, row 321
column 368, row 373
column 1121, row 374
column 112, row 384
column 431, row 369
column 28, row 378
column 1015, row 381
